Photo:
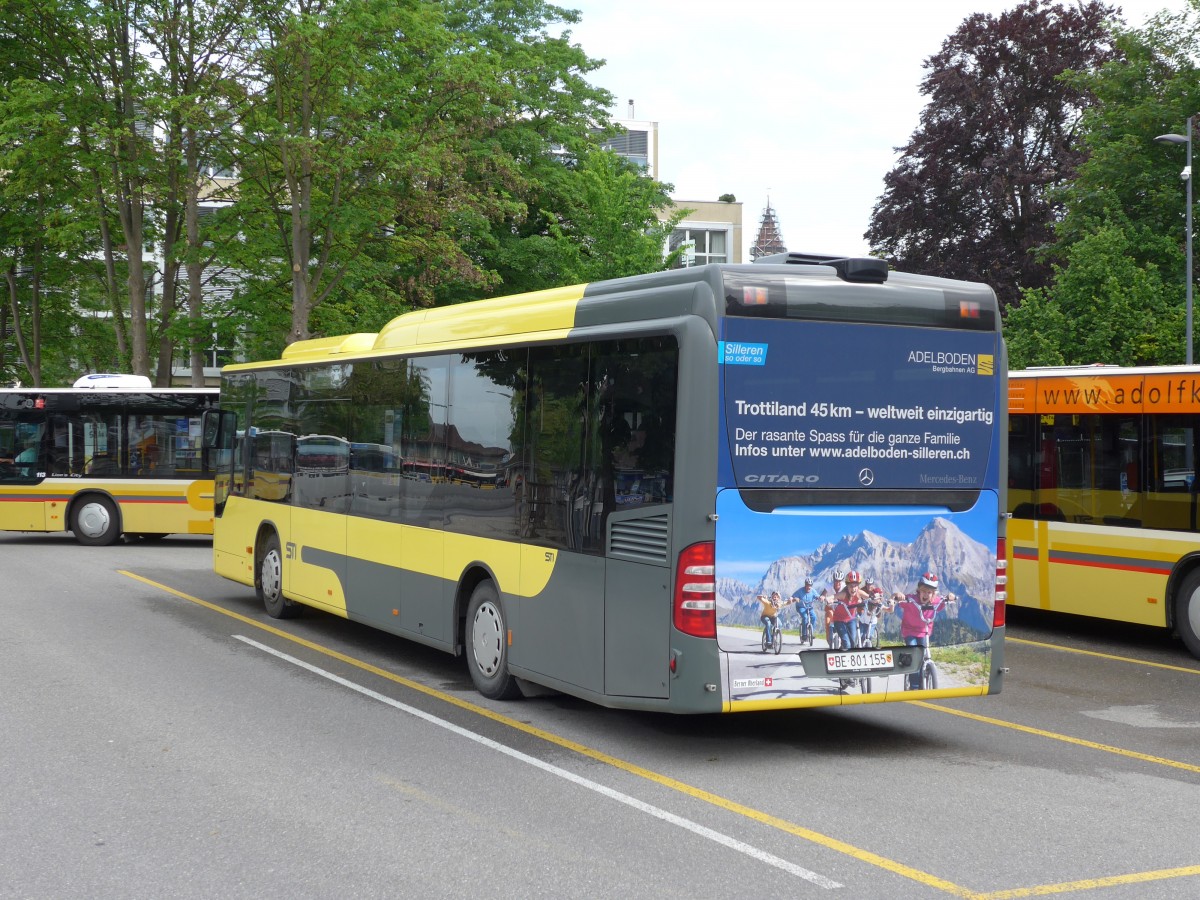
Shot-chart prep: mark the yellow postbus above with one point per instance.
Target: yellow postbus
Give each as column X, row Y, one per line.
column 104, row 461
column 586, row 488
column 1103, row 494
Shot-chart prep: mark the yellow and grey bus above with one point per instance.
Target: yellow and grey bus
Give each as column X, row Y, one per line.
column 1102, row 490
column 587, row 488
column 105, row 461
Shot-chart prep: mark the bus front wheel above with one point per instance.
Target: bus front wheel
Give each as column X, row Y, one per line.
column 94, row 521
column 1187, row 612
column 268, row 582
column 487, row 645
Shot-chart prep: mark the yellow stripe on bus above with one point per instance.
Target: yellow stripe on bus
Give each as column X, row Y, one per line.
column 539, row 315
column 551, row 311
column 520, row 570
column 879, row 696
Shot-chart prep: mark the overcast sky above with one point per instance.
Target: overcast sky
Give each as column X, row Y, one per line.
column 801, row 102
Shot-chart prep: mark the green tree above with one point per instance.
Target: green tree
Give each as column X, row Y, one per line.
column 1105, row 306
column 388, row 154
column 48, row 273
column 381, row 141
column 548, row 233
column 608, row 224
column 125, row 79
column 1122, row 232
column 200, row 45
column 969, row 197
column 95, row 46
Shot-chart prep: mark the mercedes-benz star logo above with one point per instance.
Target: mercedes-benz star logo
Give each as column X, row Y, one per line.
column 866, row 477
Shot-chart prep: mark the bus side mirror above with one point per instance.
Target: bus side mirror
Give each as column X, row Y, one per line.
column 218, row 428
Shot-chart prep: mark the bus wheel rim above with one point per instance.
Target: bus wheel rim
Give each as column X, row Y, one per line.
column 487, row 634
column 93, row 519
column 271, row 575
column 1191, row 611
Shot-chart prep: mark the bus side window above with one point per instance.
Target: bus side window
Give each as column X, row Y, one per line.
column 1173, row 439
column 103, row 465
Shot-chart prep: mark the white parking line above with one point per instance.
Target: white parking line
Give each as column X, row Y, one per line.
column 695, row 828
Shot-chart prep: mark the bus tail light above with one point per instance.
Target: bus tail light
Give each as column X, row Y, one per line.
column 695, row 604
column 1001, row 582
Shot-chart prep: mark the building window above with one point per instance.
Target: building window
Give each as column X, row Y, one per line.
column 633, row 144
column 703, row 246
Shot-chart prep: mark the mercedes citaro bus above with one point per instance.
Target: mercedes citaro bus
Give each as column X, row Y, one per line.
column 587, row 488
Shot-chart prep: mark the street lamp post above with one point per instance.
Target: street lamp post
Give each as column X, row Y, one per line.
column 1186, row 175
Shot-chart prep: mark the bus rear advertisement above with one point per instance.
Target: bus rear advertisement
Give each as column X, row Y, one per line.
column 716, row 489
column 878, row 468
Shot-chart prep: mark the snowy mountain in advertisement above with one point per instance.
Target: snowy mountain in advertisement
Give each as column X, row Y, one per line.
column 965, row 567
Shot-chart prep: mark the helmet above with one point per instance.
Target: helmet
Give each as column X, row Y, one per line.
column 928, row 580
column 808, row 582
column 868, row 581
column 839, row 575
column 853, row 577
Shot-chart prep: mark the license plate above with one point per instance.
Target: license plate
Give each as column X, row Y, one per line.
column 859, row 661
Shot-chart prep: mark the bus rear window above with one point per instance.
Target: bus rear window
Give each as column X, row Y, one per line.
column 901, row 301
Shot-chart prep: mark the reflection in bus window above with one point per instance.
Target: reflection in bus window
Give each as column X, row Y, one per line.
column 603, row 436
column 271, row 466
column 322, row 472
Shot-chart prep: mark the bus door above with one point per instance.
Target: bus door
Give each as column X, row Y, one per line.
column 594, row 512
column 322, row 496
column 22, row 464
column 1172, row 485
column 853, row 448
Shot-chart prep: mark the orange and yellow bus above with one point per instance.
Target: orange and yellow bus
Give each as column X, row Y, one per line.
column 104, row 461
column 1103, row 494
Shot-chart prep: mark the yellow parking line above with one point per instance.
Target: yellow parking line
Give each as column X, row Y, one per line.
column 1125, row 659
column 807, row 834
column 1055, row 736
column 1089, row 884
column 1086, row 884
column 831, row 843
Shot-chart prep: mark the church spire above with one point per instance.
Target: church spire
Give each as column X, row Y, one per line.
column 769, row 239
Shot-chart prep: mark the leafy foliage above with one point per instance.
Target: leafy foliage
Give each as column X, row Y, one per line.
column 1105, row 307
column 969, row 197
column 1118, row 291
column 50, row 283
column 607, row 227
column 383, row 140
column 385, row 154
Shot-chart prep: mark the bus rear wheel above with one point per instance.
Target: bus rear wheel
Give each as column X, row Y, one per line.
column 268, row 582
column 94, row 521
column 487, row 645
column 1187, row 612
